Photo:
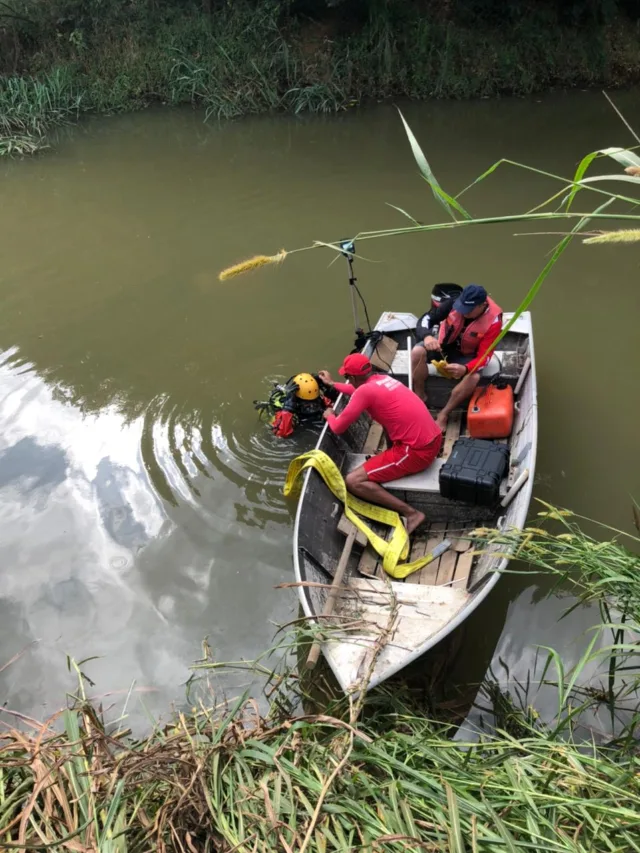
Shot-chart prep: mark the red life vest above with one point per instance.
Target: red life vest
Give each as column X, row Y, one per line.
column 453, row 326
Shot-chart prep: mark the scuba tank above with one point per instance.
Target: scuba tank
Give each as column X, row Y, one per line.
column 301, row 399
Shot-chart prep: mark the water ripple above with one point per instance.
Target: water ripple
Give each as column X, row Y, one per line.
column 187, row 454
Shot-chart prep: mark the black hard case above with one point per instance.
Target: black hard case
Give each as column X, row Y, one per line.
column 474, row 470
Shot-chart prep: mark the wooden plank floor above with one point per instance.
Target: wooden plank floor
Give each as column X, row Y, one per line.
column 435, row 535
column 369, row 563
column 451, row 568
column 454, row 425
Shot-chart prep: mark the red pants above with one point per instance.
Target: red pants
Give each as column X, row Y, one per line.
column 400, row 461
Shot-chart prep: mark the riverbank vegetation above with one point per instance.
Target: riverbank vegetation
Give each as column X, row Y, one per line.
column 61, row 58
column 380, row 775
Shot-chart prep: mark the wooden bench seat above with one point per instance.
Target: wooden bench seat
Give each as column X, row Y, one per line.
column 425, row 481
column 498, row 361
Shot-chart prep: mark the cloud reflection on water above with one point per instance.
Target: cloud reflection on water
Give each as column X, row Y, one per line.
column 97, row 563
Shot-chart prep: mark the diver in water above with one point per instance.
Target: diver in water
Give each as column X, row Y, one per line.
column 300, row 400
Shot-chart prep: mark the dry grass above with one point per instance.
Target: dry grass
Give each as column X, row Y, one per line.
column 229, row 778
column 243, row 782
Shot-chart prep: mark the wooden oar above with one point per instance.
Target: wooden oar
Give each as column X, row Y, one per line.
column 329, row 604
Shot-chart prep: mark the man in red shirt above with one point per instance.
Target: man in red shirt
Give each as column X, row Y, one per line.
column 416, row 440
column 461, row 330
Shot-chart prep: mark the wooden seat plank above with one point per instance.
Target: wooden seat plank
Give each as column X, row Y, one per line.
column 447, row 567
column 385, row 350
column 345, row 527
column 429, row 574
column 372, row 441
column 418, row 549
column 425, row 481
column 463, row 568
column 368, row 563
column 454, row 425
column 418, row 544
column 459, row 543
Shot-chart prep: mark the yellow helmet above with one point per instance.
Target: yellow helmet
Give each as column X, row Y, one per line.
column 308, row 388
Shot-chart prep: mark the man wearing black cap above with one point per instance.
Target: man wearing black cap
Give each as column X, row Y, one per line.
column 467, row 326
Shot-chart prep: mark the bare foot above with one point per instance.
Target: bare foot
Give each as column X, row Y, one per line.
column 441, row 421
column 414, row 520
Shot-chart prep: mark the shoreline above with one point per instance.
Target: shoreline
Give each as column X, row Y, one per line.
column 383, row 775
column 248, row 60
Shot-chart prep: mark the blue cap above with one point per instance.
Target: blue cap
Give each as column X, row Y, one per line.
column 472, row 296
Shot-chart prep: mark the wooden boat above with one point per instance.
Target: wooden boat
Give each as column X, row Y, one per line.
column 380, row 625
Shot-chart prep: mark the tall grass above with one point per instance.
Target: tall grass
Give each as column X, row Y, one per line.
column 254, row 57
column 30, row 107
column 375, row 777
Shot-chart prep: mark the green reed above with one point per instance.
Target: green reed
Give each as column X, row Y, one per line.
column 244, row 783
column 255, row 57
column 30, row 107
column 375, row 776
column 557, row 211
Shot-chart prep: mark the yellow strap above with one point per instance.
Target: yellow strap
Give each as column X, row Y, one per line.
column 391, row 552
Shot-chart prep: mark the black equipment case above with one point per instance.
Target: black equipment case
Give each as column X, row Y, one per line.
column 474, row 470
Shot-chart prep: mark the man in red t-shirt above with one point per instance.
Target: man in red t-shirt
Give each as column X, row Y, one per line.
column 416, row 440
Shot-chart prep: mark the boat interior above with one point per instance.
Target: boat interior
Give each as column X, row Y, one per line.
column 430, row 599
column 447, row 519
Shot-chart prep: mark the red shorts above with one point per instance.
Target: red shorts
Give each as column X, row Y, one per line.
column 400, row 461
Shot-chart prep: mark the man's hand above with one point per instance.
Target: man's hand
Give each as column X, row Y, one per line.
column 325, row 377
column 431, row 344
column 457, row 370
column 327, row 414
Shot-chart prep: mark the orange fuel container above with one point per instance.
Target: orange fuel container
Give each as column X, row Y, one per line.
column 490, row 412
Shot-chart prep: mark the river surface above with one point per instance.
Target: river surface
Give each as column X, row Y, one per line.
column 140, row 498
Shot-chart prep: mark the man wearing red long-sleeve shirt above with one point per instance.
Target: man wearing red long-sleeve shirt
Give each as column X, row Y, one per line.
column 416, row 440
column 467, row 328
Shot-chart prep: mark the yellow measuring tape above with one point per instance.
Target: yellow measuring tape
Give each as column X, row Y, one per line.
column 391, row 552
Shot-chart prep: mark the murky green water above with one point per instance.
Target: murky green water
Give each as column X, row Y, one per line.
column 140, row 504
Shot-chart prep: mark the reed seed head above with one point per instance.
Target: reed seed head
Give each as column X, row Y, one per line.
column 626, row 235
column 252, row 264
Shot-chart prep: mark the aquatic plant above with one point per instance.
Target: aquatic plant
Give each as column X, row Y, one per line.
column 30, row 107
column 15, row 145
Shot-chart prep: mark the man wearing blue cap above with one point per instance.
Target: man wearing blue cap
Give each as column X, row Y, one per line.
column 467, row 326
